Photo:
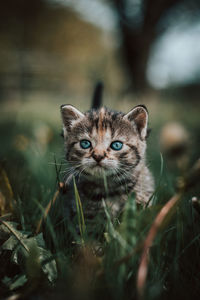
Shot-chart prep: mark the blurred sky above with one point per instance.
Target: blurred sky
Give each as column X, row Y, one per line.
column 175, row 57
column 94, row 11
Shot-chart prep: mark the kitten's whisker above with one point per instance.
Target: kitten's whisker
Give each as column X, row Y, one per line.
column 123, row 170
column 81, row 171
column 118, row 179
column 116, row 173
column 70, row 175
column 123, row 174
column 71, row 171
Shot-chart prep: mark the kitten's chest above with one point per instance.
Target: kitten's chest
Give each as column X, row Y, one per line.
column 96, row 197
column 98, row 206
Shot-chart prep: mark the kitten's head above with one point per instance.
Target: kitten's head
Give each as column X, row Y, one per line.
column 104, row 140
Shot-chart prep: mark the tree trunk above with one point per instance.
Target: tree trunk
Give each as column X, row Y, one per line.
column 137, row 38
column 136, row 49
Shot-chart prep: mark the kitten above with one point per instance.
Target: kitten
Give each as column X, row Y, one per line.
column 105, row 153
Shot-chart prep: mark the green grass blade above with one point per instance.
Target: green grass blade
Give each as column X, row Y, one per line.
column 129, row 222
column 48, row 221
column 15, row 233
column 105, row 182
column 152, row 198
column 114, row 234
column 81, row 219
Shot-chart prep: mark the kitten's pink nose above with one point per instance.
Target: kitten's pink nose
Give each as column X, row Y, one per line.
column 98, row 157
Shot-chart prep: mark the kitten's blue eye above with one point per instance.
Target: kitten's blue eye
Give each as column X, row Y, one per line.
column 85, row 144
column 117, row 145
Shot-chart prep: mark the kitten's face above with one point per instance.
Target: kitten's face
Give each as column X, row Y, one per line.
column 104, row 141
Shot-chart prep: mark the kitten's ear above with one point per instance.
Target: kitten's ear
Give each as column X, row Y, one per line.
column 70, row 115
column 139, row 117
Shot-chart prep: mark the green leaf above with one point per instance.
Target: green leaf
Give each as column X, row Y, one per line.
column 15, row 282
column 38, row 254
column 17, row 234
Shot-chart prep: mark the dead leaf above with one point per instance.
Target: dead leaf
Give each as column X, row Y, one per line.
column 6, row 193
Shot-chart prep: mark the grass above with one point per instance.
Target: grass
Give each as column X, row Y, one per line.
column 53, row 261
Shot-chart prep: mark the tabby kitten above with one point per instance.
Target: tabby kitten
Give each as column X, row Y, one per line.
column 105, row 152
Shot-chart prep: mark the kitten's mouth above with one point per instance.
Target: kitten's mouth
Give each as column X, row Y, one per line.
column 101, row 165
column 98, row 166
column 96, row 169
column 99, row 170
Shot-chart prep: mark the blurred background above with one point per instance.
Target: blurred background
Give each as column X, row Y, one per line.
column 52, row 52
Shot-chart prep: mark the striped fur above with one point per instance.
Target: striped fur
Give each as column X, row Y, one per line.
column 124, row 171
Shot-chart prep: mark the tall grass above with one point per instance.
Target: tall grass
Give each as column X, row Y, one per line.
column 56, row 259
column 76, row 269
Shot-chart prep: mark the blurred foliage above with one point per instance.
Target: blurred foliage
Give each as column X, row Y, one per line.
column 50, row 48
column 54, row 262
column 46, row 46
column 141, row 24
column 48, row 53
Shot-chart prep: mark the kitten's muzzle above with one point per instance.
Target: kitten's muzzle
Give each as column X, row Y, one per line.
column 98, row 157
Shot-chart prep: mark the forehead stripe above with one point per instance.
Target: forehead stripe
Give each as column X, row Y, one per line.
column 100, row 125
